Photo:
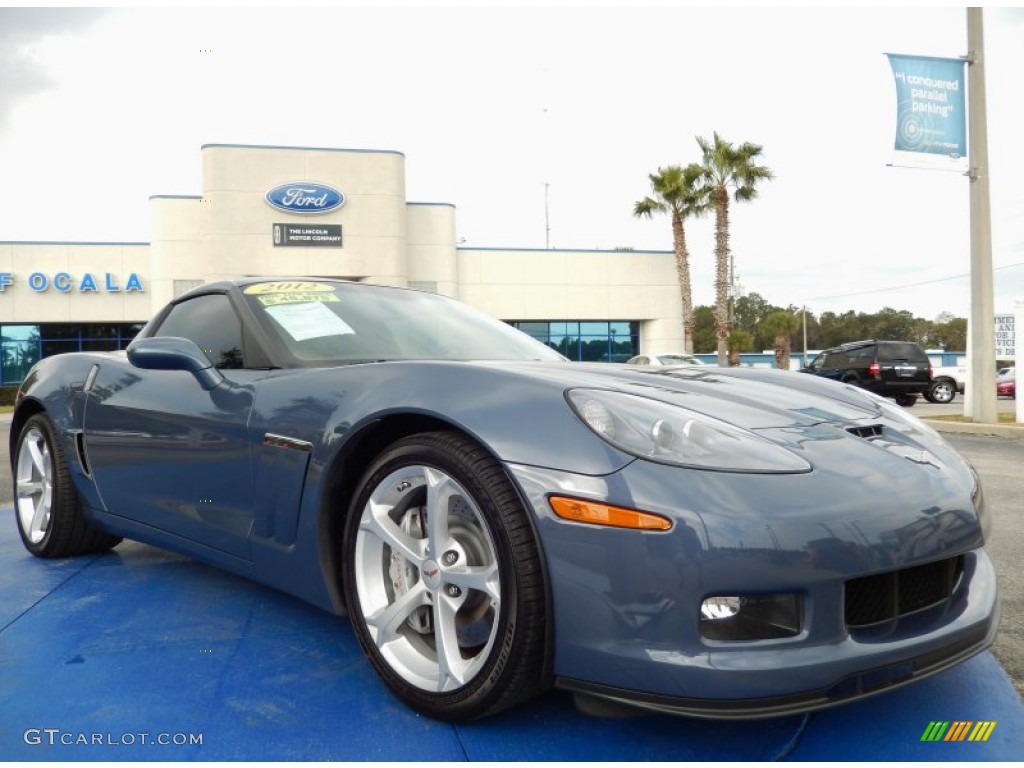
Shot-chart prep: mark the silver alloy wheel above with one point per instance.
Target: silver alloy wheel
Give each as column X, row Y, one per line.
column 943, row 392
column 34, row 485
column 427, row 578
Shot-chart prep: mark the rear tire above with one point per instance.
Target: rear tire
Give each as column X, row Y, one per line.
column 443, row 579
column 941, row 391
column 905, row 400
column 46, row 504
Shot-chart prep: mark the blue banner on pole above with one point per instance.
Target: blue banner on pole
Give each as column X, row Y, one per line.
column 931, row 113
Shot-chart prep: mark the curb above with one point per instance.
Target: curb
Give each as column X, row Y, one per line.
column 1009, row 431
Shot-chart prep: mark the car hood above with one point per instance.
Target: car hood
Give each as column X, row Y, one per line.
column 749, row 398
column 807, row 414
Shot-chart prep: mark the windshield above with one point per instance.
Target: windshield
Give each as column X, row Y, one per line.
column 331, row 323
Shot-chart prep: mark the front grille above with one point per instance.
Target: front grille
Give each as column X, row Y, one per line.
column 869, row 430
column 888, row 596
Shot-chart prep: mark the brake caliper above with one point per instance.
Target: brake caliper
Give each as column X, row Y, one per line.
column 404, row 574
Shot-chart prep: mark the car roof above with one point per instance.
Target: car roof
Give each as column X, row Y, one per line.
column 866, row 343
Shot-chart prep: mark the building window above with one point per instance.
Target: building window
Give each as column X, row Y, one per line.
column 21, row 346
column 182, row 287
column 19, row 351
column 585, row 340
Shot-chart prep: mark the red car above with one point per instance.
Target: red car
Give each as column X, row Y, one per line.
column 1006, row 387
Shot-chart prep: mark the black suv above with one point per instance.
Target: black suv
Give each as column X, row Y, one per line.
column 898, row 369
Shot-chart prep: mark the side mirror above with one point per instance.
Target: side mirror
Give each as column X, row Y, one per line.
column 171, row 353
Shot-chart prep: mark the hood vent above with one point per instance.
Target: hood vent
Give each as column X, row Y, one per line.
column 866, row 431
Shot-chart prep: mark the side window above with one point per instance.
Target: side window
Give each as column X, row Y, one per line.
column 836, row 359
column 211, row 322
column 861, row 355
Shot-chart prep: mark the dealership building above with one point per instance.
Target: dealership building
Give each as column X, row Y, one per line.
column 328, row 213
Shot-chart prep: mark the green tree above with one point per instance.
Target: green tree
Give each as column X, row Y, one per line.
column 951, row 335
column 727, row 167
column 750, row 310
column 675, row 191
column 739, row 341
column 704, row 329
column 891, row 325
column 781, row 325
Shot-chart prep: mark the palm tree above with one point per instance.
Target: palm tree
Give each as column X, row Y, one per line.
column 781, row 325
column 739, row 340
column 675, row 191
column 727, row 166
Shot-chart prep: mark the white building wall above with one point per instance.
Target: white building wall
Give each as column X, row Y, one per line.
column 576, row 285
column 237, row 222
column 431, row 246
column 110, row 302
column 175, row 250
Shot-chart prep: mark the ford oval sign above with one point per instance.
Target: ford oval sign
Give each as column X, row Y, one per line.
column 305, row 197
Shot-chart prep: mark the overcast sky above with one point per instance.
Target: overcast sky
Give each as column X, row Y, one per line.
column 99, row 109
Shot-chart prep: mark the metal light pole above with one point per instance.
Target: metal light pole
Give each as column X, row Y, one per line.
column 982, row 392
column 804, row 314
column 547, row 220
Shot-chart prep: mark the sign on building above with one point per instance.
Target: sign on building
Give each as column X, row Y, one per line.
column 308, row 235
column 1005, row 337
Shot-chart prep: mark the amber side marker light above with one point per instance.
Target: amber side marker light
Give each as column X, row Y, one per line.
column 581, row 511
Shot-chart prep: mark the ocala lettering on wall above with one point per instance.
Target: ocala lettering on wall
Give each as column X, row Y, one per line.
column 62, row 282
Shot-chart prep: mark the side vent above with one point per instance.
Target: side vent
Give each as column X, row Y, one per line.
column 82, row 458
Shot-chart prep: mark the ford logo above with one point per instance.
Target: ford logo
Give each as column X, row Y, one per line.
column 305, row 197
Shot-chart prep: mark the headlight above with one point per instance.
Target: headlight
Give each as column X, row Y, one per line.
column 652, row 429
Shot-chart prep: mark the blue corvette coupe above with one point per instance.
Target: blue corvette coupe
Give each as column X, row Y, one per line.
column 496, row 520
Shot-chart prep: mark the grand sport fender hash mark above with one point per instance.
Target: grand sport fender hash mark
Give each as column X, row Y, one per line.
column 283, row 441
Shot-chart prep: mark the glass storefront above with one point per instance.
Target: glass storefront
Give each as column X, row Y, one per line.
column 22, row 345
column 595, row 341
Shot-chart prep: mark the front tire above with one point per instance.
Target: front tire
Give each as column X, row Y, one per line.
column 443, row 579
column 47, row 506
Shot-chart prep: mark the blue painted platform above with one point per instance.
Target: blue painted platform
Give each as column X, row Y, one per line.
column 102, row 657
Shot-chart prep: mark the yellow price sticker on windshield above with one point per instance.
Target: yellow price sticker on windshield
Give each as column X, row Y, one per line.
column 283, row 287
